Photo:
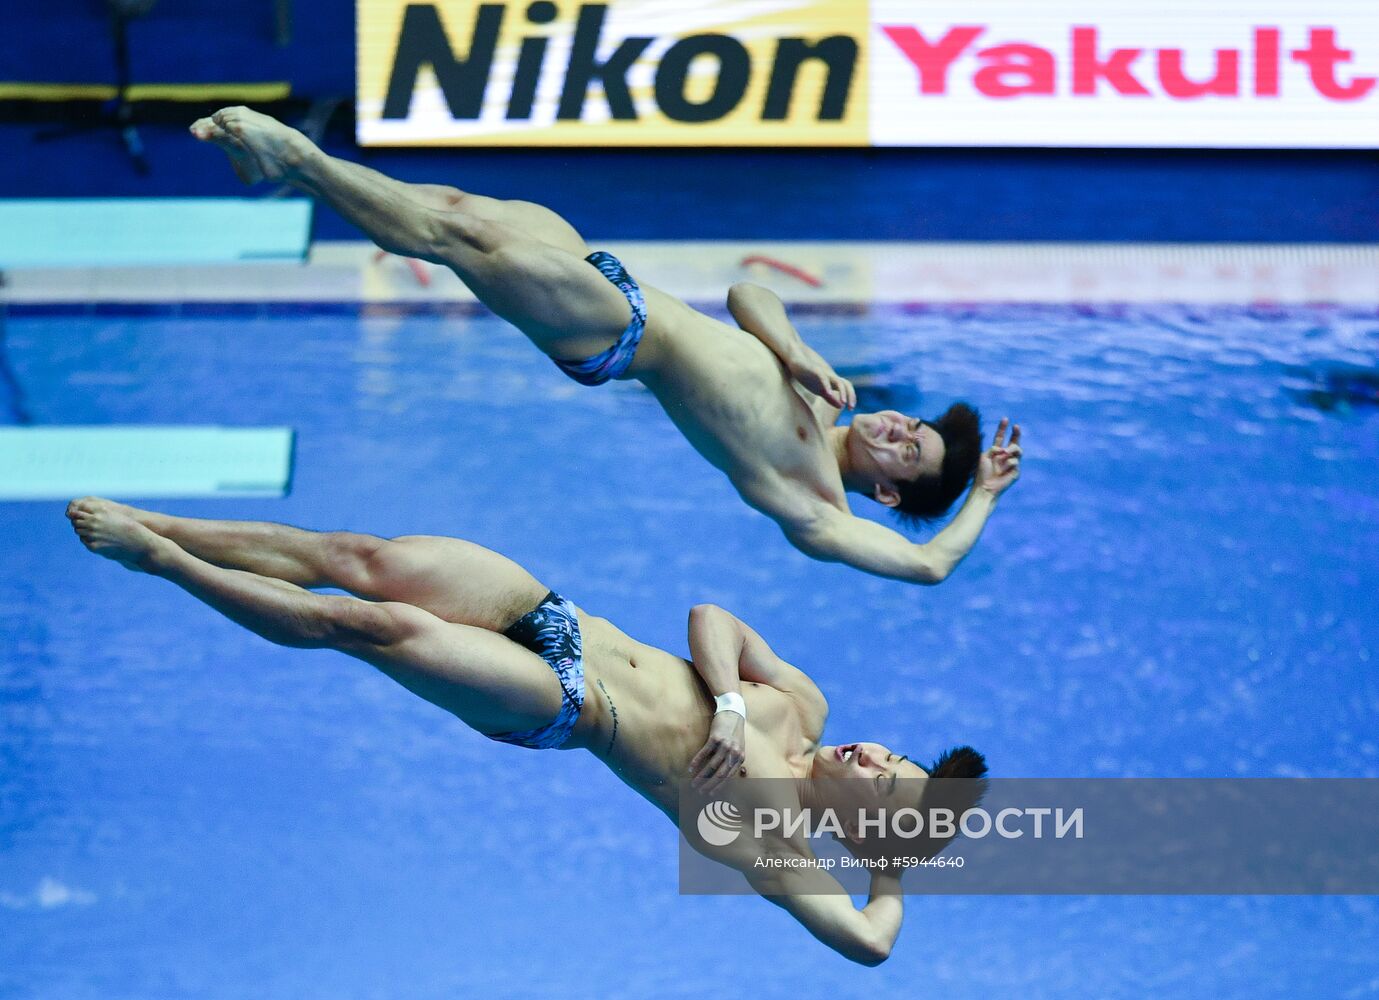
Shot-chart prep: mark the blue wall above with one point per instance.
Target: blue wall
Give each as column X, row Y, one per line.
column 840, row 194
column 182, row 41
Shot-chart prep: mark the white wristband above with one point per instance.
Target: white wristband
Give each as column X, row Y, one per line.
column 731, row 702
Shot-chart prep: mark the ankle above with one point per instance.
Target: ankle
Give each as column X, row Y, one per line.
column 159, row 557
column 300, row 156
column 155, row 522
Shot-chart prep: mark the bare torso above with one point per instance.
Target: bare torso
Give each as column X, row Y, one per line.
column 734, row 401
column 646, row 712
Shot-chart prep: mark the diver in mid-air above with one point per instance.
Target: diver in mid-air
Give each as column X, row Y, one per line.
column 762, row 407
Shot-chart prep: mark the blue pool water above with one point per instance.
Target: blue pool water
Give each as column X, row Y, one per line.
column 1183, row 584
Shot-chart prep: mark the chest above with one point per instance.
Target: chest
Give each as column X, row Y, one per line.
column 775, row 732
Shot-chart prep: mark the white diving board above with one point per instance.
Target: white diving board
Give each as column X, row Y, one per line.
column 85, row 232
column 139, row 462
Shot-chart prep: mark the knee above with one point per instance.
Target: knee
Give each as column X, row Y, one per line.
column 354, row 560
column 459, row 232
column 453, row 199
column 351, row 625
column 322, row 621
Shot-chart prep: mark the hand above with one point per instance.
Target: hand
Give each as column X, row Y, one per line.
column 999, row 465
column 818, row 376
column 722, row 755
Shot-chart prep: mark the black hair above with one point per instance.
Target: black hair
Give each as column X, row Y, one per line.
column 961, row 774
column 927, row 497
column 963, row 763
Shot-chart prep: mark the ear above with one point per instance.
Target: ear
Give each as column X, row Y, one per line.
column 886, row 495
column 851, row 828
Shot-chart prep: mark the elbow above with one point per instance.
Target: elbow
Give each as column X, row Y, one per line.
column 866, row 945
column 735, row 297
column 871, row 954
column 740, row 289
column 703, row 613
column 743, row 293
column 929, row 573
column 875, row 957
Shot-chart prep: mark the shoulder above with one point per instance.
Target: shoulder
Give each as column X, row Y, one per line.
column 802, row 695
column 810, row 704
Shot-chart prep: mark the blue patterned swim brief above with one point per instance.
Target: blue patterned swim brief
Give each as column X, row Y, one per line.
column 551, row 630
column 614, row 362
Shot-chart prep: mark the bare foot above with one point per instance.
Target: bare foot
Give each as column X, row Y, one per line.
column 107, row 529
column 259, row 147
column 246, row 167
column 150, row 519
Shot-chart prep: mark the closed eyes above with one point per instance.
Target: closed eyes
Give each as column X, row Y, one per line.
column 895, row 775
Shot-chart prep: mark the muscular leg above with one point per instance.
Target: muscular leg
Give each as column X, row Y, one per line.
column 452, row 579
column 491, row 683
column 534, row 221
column 523, row 261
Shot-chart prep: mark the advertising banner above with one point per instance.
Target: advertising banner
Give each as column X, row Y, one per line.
column 885, row 73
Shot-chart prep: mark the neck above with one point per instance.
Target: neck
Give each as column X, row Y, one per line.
column 807, row 790
column 852, row 482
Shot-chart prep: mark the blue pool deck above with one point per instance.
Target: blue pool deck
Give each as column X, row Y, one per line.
column 105, row 232
column 1183, row 584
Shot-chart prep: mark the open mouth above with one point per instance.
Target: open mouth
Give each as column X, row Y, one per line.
column 844, row 754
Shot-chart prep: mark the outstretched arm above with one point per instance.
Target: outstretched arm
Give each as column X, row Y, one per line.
column 838, row 536
column 817, row 901
column 761, row 313
column 725, row 651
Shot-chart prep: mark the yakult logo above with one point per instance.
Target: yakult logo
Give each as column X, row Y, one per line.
column 1234, row 73
column 1010, row 69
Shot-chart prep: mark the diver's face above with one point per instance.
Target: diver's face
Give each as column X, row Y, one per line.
column 873, row 773
column 890, row 448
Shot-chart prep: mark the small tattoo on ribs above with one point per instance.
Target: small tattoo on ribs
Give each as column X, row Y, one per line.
column 614, row 709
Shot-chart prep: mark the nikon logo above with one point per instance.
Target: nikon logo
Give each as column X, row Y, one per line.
column 465, row 78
